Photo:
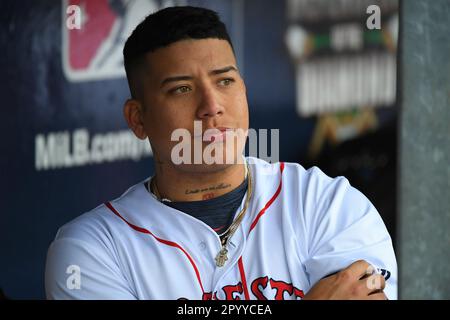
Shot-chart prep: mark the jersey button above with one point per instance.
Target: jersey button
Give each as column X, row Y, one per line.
column 202, row 245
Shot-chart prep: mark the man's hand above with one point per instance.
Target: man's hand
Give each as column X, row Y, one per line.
column 356, row 282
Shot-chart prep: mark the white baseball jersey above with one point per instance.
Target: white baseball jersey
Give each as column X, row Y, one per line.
column 301, row 226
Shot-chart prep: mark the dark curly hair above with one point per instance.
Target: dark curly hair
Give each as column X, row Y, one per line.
column 165, row 27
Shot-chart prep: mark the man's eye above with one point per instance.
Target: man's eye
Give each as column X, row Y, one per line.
column 182, row 89
column 226, row 82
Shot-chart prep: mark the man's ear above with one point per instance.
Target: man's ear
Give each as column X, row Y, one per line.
column 133, row 113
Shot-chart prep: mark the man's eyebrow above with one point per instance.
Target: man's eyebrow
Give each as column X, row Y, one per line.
column 174, row 79
column 224, row 70
column 212, row 72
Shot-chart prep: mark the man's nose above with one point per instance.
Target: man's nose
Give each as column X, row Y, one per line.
column 209, row 105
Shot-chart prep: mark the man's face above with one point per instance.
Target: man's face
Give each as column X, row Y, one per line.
column 193, row 80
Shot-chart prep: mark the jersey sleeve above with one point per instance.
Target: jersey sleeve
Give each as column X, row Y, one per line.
column 343, row 226
column 77, row 269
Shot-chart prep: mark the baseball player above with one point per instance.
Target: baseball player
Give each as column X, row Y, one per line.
column 240, row 229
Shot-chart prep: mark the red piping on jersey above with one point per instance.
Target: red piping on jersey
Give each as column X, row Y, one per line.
column 169, row 243
column 243, row 278
column 268, row 204
column 263, row 210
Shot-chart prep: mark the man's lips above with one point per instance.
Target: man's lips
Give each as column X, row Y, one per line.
column 216, row 134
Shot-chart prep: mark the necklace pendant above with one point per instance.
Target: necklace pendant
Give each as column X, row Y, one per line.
column 221, row 257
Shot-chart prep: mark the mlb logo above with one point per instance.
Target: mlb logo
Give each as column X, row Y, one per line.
column 94, row 50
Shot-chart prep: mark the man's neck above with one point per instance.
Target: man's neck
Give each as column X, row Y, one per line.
column 178, row 185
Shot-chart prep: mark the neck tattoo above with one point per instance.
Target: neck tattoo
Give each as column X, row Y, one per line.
column 222, row 256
